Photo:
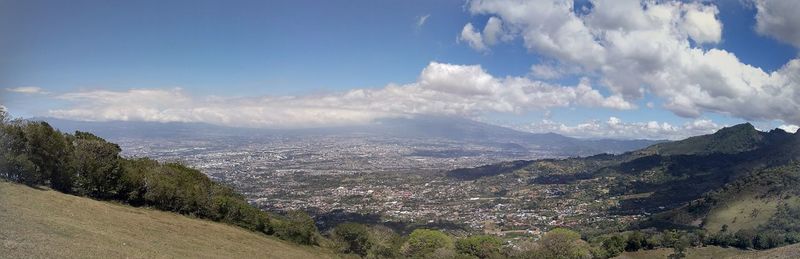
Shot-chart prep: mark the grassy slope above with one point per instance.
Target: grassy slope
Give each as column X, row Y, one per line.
column 48, row 224
column 739, row 213
column 792, row 251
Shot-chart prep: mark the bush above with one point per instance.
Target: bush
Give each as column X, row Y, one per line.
column 298, row 227
column 636, row 241
column 562, row 243
column 423, row 242
column 614, row 246
column 354, row 237
column 480, row 246
column 385, row 243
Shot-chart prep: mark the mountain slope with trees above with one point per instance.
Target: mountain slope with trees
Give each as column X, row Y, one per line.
column 736, row 187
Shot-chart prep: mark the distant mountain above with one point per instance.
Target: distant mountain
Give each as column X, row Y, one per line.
column 419, row 127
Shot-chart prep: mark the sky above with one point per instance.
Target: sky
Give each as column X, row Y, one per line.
column 586, row 68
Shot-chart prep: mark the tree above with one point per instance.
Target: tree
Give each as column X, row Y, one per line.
column 96, row 164
column 47, row 149
column 481, row 246
column 636, row 241
column 679, row 247
column 355, row 238
column 298, row 227
column 744, row 238
column 423, row 242
column 614, row 245
column 385, row 243
column 562, row 243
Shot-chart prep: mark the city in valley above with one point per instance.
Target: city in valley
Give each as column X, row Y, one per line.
column 400, row 182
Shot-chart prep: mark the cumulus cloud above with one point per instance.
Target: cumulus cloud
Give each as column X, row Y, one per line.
column 472, row 37
column 27, row 90
column 444, row 89
column 617, row 129
column 779, row 19
column 636, row 47
column 493, row 33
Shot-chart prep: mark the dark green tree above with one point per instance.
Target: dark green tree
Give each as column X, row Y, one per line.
column 354, row 237
column 47, row 149
column 96, row 163
column 614, row 245
column 298, row 227
column 636, row 241
column 481, row 246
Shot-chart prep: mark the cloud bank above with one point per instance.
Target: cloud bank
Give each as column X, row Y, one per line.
column 663, row 48
column 617, row 129
column 443, row 89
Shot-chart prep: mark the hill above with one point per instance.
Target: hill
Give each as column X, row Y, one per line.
column 738, row 185
column 48, row 224
column 729, row 140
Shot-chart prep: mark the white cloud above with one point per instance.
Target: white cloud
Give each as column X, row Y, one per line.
column 422, row 19
column 493, row 31
column 617, row 129
column 443, row 89
column 702, row 25
column 545, row 71
column 791, row 128
column 472, row 37
column 637, row 47
column 27, row 90
column 779, row 19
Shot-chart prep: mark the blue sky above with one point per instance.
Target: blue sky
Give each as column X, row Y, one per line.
column 58, row 57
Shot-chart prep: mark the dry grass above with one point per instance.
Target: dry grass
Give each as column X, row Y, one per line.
column 746, row 212
column 792, row 251
column 48, row 224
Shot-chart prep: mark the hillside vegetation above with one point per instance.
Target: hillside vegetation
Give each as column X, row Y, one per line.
column 734, row 188
column 37, row 223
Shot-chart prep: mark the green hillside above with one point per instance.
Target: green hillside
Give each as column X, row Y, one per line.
column 48, row 224
column 729, row 140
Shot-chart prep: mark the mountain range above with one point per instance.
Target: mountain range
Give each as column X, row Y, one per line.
column 420, row 128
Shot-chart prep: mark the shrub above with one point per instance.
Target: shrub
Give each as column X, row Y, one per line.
column 423, row 242
column 298, row 227
column 354, row 237
column 480, row 246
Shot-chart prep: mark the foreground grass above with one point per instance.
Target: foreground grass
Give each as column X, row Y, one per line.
column 792, row 251
column 48, row 224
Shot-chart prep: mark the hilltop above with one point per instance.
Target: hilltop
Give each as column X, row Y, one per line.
column 49, row 224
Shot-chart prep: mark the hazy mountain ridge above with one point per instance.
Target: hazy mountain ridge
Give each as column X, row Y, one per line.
column 421, row 127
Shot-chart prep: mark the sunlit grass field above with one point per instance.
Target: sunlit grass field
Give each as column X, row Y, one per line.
column 48, row 224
